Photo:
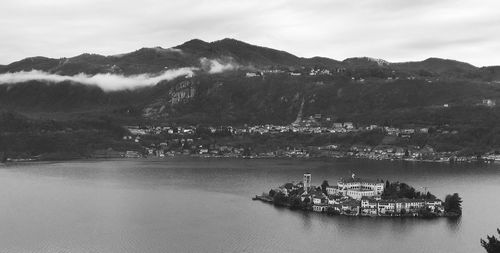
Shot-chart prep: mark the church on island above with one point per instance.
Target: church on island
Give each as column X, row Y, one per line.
column 357, row 188
column 357, row 196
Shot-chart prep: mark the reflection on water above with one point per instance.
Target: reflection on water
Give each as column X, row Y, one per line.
column 198, row 205
column 454, row 224
column 306, row 218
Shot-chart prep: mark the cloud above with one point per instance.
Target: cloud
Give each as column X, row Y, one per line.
column 107, row 82
column 114, row 82
column 214, row 66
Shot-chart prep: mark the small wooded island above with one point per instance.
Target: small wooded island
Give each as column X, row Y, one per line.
column 355, row 196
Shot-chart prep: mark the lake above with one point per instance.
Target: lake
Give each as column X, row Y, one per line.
column 204, row 205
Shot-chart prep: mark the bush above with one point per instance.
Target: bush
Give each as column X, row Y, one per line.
column 453, row 205
column 331, row 211
column 491, row 244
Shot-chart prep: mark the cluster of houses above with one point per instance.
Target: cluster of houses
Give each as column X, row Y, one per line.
column 316, row 123
column 190, row 146
column 155, row 130
column 309, row 125
column 187, row 146
column 355, row 196
column 303, row 71
column 489, row 102
column 384, row 152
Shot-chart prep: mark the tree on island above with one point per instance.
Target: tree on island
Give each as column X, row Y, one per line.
column 331, row 211
column 399, row 190
column 295, row 202
column 492, row 245
column 426, row 212
column 272, row 193
column 453, row 205
column 306, row 201
column 430, row 196
column 280, row 199
column 324, row 185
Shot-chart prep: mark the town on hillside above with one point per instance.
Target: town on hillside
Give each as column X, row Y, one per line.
column 316, row 136
column 354, row 196
column 308, row 136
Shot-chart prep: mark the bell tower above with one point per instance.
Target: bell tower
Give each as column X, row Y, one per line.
column 307, row 182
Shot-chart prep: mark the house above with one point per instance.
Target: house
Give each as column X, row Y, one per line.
column 489, row 102
column 413, row 205
column 305, row 196
column 334, row 199
column 492, row 157
column 368, row 203
column 253, row 74
column 399, row 152
column 386, row 207
column 333, row 190
column 392, row 131
column 369, row 206
column 435, row 205
column 287, row 188
column 160, row 153
column 136, row 130
column 348, row 125
column 337, row 125
column 408, row 131
column 361, row 148
column 318, row 197
column 369, row 211
column 408, row 205
column 320, row 207
column 132, row 154
column 350, row 207
column 424, row 130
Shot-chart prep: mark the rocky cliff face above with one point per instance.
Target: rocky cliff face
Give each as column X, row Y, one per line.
column 178, row 93
column 183, row 91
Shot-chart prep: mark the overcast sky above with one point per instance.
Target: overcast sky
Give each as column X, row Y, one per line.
column 394, row 30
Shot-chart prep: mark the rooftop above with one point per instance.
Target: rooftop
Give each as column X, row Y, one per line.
column 358, row 180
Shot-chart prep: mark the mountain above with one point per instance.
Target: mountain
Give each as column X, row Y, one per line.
column 152, row 60
column 491, row 73
column 362, row 88
column 38, row 62
column 436, row 65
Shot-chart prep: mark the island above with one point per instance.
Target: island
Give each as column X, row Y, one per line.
column 354, row 196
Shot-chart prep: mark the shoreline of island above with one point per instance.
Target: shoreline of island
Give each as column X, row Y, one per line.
column 354, row 196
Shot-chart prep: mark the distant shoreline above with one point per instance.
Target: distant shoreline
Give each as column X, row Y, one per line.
column 199, row 157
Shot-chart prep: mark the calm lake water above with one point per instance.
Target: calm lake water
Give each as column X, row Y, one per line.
column 204, row 205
